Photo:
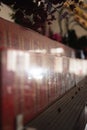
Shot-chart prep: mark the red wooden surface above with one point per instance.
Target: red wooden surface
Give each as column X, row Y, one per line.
column 31, row 79
column 8, row 94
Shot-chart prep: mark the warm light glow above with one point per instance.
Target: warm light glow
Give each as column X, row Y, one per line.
column 58, row 65
column 39, row 3
column 72, row 66
column 26, row 60
column 57, row 51
column 11, row 60
column 78, row 67
column 43, row 51
column 17, row 60
column 84, row 67
column 36, row 73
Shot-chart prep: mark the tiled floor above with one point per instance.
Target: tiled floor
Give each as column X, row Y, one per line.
column 65, row 114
